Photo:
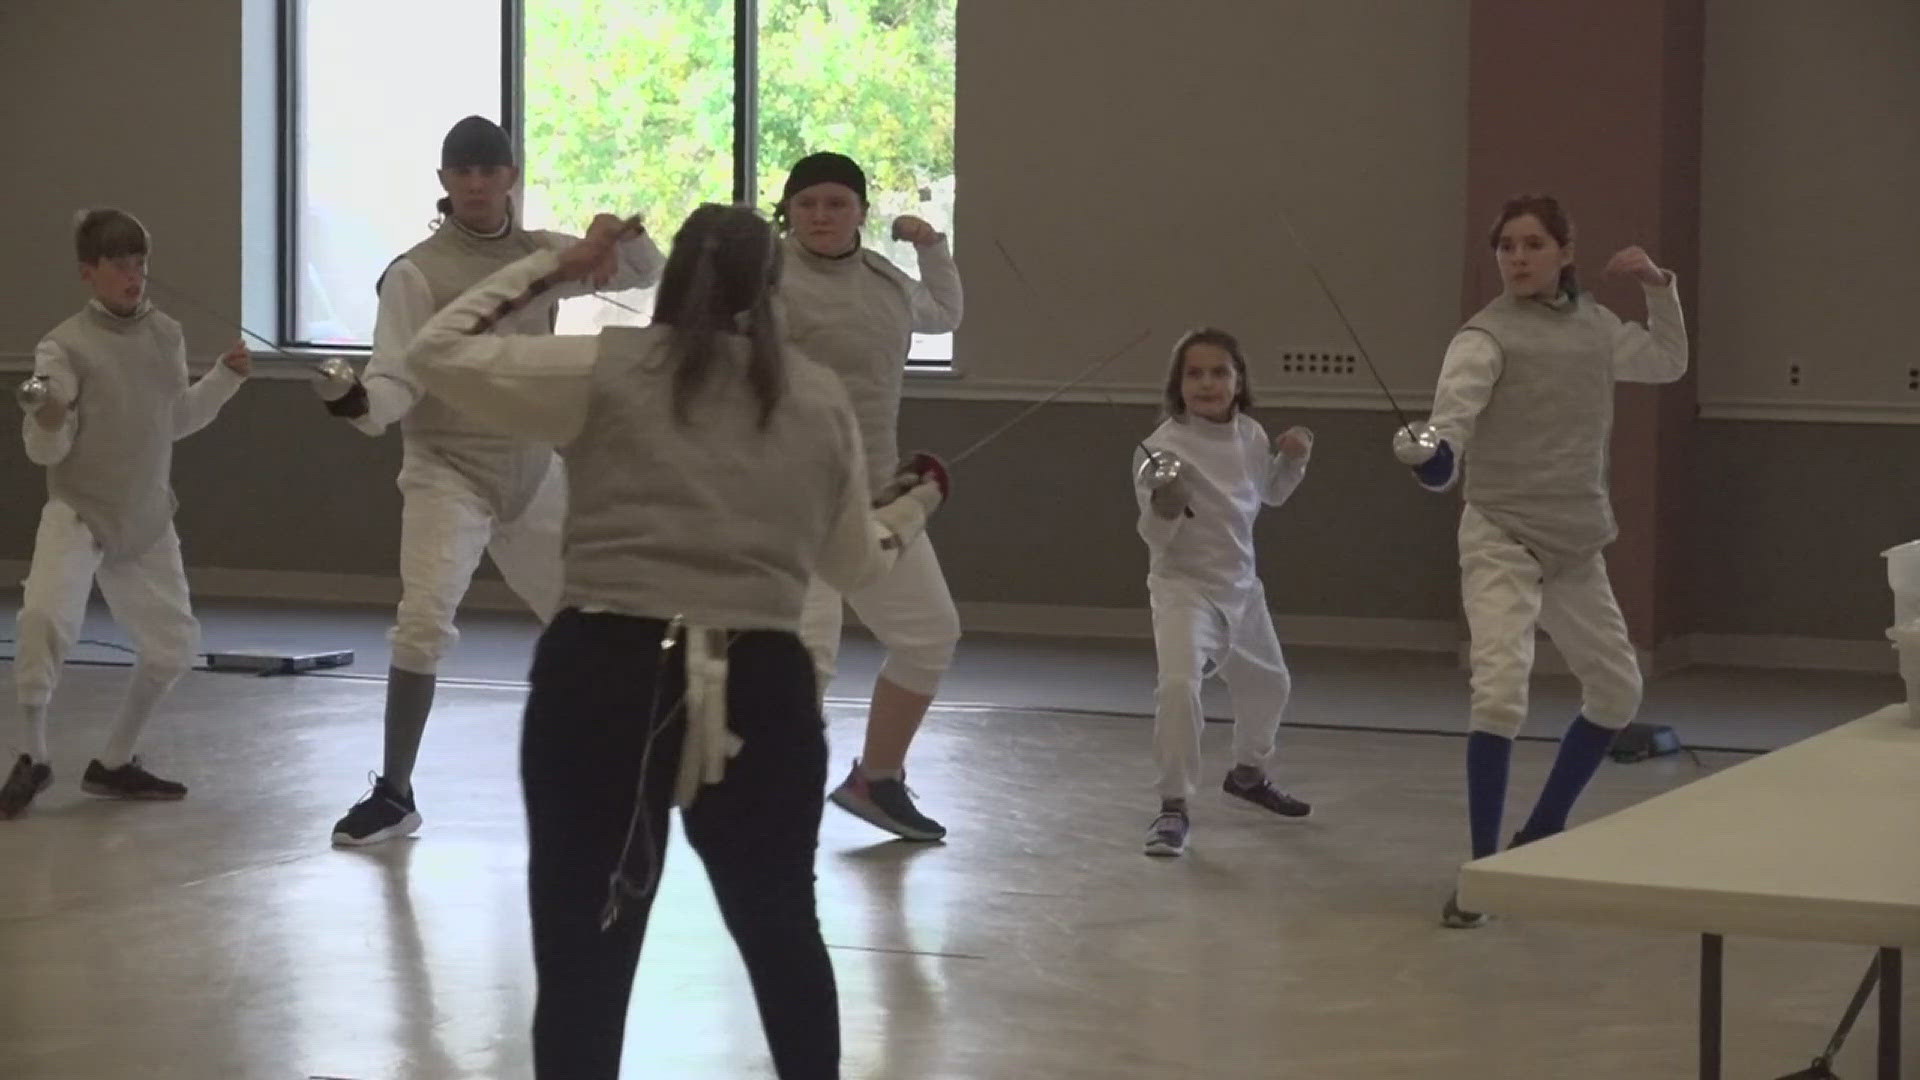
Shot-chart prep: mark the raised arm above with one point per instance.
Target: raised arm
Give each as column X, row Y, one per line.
column 1286, row 462
column 637, row 259
column 388, row 389
column 533, row 386
column 937, row 298
column 1657, row 352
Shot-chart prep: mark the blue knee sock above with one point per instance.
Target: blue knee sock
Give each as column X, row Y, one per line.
column 1581, row 749
column 1488, row 756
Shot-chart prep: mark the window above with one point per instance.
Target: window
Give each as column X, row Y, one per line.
column 367, row 110
column 629, row 108
column 651, row 106
column 874, row 80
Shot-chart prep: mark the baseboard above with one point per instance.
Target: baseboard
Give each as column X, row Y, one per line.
column 1062, row 620
column 1446, row 636
column 306, row 587
column 1782, row 651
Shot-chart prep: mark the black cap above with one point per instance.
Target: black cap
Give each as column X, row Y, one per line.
column 826, row 168
column 476, row 141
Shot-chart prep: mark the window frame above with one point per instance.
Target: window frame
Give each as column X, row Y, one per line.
column 746, row 144
column 286, row 230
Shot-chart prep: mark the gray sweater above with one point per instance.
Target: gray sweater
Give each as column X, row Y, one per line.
column 1526, row 395
column 429, row 276
column 714, row 520
column 857, row 315
column 112, row 460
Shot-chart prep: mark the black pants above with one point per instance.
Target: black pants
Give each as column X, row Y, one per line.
column 586, row 724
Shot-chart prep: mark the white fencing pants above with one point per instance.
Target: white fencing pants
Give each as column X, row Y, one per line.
column 147, row 594
column 909, row 610
column 445, row 525
column 1507, row 597
column 1191, row 631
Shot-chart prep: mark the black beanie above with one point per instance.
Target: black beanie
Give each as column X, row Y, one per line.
column 476, row 141
column 826, row 168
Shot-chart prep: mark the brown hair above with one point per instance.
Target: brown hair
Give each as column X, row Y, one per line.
column 724, row 265
column 1552, row 217
column 107, row 233
column 1172, row 404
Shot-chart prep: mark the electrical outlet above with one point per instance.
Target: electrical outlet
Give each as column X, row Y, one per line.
column 1793, row 373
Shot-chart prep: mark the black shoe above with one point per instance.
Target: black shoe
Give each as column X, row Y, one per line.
column 1261, row 792
column 27, row 779
column 381, row 814
column 1528, row 835
column 129, row 781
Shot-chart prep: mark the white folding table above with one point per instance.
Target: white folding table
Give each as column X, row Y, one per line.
column 1819, row 841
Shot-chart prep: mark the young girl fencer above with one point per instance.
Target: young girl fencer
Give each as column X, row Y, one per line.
column 1200, row 479
column 1524, row 407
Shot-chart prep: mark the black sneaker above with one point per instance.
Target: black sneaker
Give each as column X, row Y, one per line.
column 1167, row 836
column 1261, row 792
column 1454, row 917
column 887, row 804
column 27, row 779
column 129, row 781
column 381, row 814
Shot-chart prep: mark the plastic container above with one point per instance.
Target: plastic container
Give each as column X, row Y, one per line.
column 1903, row 574
column 1906, row 640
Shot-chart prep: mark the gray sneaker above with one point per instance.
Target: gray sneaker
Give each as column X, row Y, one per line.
column 1253, row 786
column 1167, row 836
column 887, row 804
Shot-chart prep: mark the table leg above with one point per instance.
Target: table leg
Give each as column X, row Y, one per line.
column 1712, row 947
column 1889, row 1014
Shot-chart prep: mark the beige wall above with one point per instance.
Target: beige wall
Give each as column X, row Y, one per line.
column 1132, row 155
column 1811, row 161
column 135, row 105
column 1809, row 228
column 1789, row 523
column 1130, row 163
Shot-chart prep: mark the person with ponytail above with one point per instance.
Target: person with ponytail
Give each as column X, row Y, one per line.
column 1524, row 407
column 852, row 309
column 466, row 489
column 713, row 472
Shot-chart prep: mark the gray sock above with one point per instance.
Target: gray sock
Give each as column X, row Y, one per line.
column 409, row 700
column 33, row 734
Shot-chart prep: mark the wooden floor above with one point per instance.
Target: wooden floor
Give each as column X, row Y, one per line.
column 222, row 937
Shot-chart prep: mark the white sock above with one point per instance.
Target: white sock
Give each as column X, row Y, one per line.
column 143, row 696
column 33, row 733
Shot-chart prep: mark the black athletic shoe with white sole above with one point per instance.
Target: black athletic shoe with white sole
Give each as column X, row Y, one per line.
column 382, row 814
column 129, row 781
